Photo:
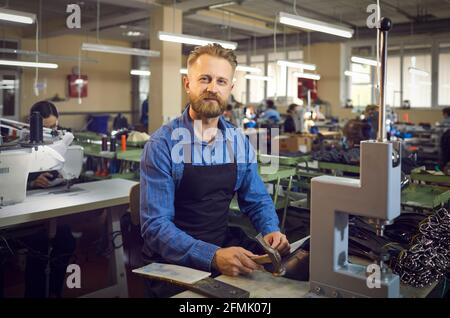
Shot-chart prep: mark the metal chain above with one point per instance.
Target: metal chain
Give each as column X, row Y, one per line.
column 428, row 258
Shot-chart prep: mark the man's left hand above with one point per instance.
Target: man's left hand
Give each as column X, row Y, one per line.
column 278, row 241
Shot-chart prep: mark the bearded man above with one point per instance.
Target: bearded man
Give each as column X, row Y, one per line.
column 185, row 203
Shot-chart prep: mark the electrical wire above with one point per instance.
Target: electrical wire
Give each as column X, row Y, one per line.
column 98, row 21
column 295, row 7
column 378, row 72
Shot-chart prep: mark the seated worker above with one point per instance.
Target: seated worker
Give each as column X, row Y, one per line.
column 271, row 114
column 63, row 244
column 50, row 118
column 289, row 123
column 355, row 131
column 186, row 187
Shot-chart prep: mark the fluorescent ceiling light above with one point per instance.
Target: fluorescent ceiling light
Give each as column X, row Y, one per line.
column 193, row 40
column 133, row 33
column 416, row 71
column 248, row 69
column 28, row 64
column 221, row 5
column 118, row 50
column 7, row 82
column 365, row 61
column 17, row 16
column 302, row 66
column 258, row 78
column 315, row 25
column 315, row 77
column 140, row 72
column 361, row 76
column 183, row 71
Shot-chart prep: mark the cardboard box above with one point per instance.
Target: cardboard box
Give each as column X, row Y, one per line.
column 296, row 143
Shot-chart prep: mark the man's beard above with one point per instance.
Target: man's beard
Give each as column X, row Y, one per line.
column 208, row 108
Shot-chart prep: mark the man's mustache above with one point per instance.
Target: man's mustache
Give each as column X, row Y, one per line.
column 210, row 96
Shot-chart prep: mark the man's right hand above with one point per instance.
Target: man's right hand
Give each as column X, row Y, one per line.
column 42, row 181
column 233, row 261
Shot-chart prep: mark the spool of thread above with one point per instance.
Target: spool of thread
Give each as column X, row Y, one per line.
column 124, row 142
column 104, row 143
column 36, row 130
column 112, row 146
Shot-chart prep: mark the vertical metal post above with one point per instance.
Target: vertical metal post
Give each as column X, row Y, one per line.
column 384, row 28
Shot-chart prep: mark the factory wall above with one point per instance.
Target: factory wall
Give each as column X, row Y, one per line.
column 109, row 84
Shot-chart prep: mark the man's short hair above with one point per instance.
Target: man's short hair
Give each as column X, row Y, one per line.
column 214, row 50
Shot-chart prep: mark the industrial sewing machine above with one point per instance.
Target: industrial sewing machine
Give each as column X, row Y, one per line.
column 37, row 149
column 376, row 196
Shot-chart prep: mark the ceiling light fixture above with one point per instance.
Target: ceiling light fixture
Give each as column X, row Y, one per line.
column 17, row 16
column 140, row 72
column 364, row 61
column 194, row 40
column 28, row 64
column 221, row 5
column 118, row 50
column 314, row 25
column 302, row 66
column 248, row 69
column 315, row 77
column 133, row 33
column 258, row 78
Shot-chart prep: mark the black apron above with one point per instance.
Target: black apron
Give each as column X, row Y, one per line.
column 202, row 201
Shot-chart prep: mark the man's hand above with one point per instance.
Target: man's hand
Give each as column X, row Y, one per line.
column 42, row 181
column 278, row 241
column 233, row 261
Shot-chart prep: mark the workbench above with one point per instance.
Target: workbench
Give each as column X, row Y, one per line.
column 132, row 154
column 336, row 167
column 430, row 177
column 48, row 204
column 264, row 285
column 426, row 197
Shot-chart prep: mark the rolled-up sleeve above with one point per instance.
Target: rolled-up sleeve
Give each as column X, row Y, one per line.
column 254, row 200
column 157, row 212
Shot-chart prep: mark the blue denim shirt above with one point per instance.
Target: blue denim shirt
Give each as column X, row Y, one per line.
column 162, row 166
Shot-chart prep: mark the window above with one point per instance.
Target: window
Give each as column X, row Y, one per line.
column 393, row 83
column 276, row 87
column 444, row 75
column 361, row 86
column 240, row 85
column 284, row 84
column 417, row 79
column 257, row 87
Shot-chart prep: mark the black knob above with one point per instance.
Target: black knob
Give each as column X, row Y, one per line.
column 385, row 24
